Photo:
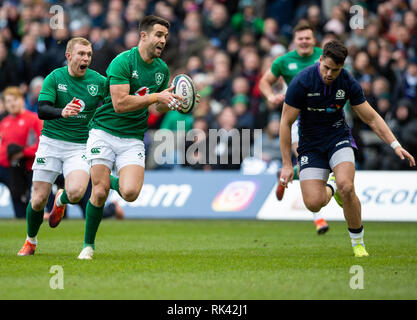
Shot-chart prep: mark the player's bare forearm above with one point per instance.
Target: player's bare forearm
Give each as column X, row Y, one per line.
column 125, row 102
column 285, row 143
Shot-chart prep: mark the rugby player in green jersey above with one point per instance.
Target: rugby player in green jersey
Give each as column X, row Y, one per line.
column 67, row 101
column 136, row 78
column 288, row 66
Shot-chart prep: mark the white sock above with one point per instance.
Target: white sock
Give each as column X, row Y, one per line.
column 356, row 238
column 317, row 216
column 33, row 240
column 58, row 201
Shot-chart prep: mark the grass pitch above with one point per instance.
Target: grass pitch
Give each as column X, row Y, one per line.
column 210, row 260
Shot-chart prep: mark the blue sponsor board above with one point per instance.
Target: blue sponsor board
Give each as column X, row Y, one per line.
column 185, row 194
column 203, row 195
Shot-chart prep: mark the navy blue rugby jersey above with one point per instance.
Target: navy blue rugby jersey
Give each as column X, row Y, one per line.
column 321, row 117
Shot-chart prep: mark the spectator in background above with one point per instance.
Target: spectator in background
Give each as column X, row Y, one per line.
column 245, row 120
column 216, row 26
column 19, row 132
column 407, row 86
column 221, row 83
column 8, row 74
column 31, row 60
column 268, row 142
column 227, row 155
column 3, row 111
column 247, row 19
column 192, row 41
column 103, row 51
column 402, row 125
column 33, row 94
column 196, row 151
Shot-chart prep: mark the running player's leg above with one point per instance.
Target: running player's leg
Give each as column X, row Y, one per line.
column 76, row 171
column 75, row 186
column 131, row 181
column 101, row 156
column 316, row 194
column 343, row 165
column 100, row 179
column 35, row 211
column 130, row 164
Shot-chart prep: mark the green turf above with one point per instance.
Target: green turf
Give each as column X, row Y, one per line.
column 194, row 259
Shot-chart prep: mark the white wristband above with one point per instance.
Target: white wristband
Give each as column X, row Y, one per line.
column 395, row 144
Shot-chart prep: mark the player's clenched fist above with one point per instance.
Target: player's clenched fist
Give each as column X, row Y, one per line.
column 71, row 109
column 287, row 173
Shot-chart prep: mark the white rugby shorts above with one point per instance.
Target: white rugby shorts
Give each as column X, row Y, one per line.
column 105, row 148
column 54, row 157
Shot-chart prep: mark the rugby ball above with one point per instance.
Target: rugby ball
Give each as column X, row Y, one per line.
column 184, row 87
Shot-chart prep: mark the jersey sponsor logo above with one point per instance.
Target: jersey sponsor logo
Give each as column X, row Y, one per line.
column 332, row 108
column 80, row 103
column 142, row 91
column 41, row 161
column 303, row 160
column 313, row 94
column 159, row 78
column 62, row 87
column 292, row 66
column 340, row 94
column 135, row 74
column 95, row 150
column 92, row 89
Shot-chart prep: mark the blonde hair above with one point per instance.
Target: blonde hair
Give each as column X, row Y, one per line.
column 12, row 91
column 79, row 40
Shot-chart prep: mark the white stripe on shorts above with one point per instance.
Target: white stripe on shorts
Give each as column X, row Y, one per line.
column 314, row 174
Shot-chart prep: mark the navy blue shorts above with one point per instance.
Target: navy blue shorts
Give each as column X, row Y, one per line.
column 320, row 159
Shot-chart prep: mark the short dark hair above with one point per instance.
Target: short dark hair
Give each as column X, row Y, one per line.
column 149, row 21
column 302, row 25
column 336, row 51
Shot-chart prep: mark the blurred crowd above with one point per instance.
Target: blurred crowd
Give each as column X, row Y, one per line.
column 226, row 46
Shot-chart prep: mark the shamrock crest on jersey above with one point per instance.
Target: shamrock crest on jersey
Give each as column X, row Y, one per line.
column 92, row 89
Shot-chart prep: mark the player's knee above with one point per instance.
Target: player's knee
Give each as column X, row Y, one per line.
column 75, row 194
column 38, row 201
column 345, row 188
column 130, row 195
column 99, row 194
column 314, row 205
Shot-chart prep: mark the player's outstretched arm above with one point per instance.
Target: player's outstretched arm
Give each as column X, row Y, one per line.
column 368, row 115
column 289, row 115
column 265, row 85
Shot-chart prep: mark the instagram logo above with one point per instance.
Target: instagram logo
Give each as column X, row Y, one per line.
column 236, row 196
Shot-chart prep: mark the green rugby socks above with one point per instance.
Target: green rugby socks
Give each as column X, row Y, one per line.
column 92, row 221
column 114, row 184
column 34, row 220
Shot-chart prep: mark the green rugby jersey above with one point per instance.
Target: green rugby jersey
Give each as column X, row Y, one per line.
column 59, row 87
column 143, row 78
column 290, row 64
